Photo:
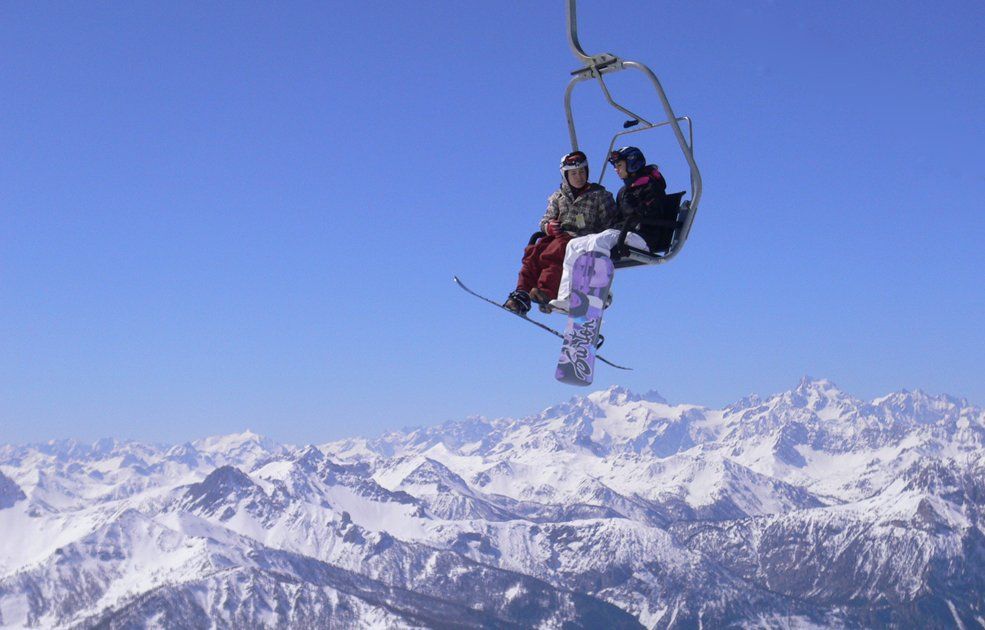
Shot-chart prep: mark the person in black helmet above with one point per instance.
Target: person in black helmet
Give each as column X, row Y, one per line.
column 643, row 186
column 577, row 208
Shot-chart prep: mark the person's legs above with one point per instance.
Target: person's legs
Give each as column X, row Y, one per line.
column 530, row 264
column 551, row 259
column 603, row 242
column 576, row 247
column 519, row 300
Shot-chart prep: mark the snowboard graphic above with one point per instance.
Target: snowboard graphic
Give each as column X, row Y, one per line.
column 591, row 278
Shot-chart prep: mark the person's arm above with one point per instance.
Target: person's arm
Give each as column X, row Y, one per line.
column 624, row 204
column 608, row 217
column 552, row 213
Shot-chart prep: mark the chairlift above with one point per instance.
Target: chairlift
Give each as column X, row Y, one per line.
column 674, row 222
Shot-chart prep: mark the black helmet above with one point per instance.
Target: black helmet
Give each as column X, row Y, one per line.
column 633, row 157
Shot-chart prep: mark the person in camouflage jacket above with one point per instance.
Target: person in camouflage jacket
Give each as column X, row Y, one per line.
column 577, row 208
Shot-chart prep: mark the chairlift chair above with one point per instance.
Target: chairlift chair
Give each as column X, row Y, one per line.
column 672, row 223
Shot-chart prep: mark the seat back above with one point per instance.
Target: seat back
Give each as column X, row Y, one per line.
column 659, row 224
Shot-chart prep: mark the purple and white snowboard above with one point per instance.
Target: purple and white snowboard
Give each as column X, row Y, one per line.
column 591, row 278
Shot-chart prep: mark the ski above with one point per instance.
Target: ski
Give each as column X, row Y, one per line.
column 591, row 279
column 532, row 321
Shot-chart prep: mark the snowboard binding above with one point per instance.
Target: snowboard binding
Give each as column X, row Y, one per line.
column 518, row 302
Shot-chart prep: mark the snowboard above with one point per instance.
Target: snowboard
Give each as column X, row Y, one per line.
column 591, row 278
column 540, row 325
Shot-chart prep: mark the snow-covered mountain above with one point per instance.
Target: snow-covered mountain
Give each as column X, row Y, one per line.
column 806, row 508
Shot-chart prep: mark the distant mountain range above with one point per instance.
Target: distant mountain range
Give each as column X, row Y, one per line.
column 808, row 508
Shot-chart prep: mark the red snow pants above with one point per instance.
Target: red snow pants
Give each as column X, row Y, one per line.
column 541, row 265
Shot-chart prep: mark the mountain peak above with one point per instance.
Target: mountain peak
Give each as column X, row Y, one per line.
column 225, row 477
column 750, row 401
column 920, row 406
column 430, row 471
column 615, row 395
column 237, row 441
column 311, row 457
column 817, row 394
column 654, row 396
column 224, row 484
column 10, row 492
column 809, row 384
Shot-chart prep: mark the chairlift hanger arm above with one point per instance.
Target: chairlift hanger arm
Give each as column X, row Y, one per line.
column 589, row 60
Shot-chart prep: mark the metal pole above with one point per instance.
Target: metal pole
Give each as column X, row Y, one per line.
column 572, row 134
column 576, row 48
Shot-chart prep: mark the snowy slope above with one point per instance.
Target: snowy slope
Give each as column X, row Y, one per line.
column 805, row 508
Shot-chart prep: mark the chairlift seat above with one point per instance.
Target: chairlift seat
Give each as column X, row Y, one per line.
column 660, row 228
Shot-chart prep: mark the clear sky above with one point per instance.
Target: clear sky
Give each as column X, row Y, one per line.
column 216, row 216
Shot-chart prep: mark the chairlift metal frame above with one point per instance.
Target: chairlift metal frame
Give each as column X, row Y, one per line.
column 596, row 67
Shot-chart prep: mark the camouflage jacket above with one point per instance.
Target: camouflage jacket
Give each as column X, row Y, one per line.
column 591, row 212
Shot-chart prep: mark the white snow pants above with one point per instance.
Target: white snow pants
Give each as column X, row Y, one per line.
column 603, row 242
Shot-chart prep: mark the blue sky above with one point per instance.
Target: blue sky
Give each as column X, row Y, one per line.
column 220, row 216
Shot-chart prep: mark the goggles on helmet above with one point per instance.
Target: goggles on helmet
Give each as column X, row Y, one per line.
column 573, row 161
column 633, row 157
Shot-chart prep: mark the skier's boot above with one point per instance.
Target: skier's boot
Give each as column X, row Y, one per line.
column 541, row 298
column 518, row 302
column 560, row 305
